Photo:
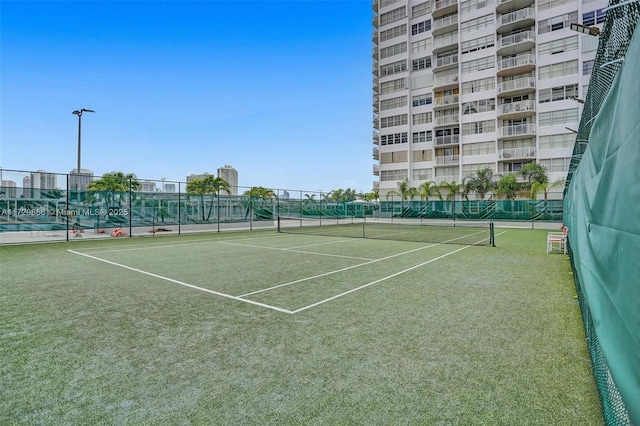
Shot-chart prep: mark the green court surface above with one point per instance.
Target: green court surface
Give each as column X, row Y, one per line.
column 264, row 328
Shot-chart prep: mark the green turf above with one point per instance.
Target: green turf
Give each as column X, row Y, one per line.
column 482, row 336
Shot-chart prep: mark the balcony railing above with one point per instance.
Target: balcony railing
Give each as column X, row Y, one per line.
column 514, row 107
column 516, row 38
column 376, row 169
column 447, row 60
column 516, row 15
column 514, row 153
column 445, row 120
column 516, row 61
column 376, row 153
column 446, row 80
column 446, row 100
column 447, row 159
column 440, row 4
column 445, row 21
column 516, row 130
column 447, row 140
column 445, row 40
column 518, row 84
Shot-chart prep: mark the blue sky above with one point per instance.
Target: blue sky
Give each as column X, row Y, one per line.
column 280, row 90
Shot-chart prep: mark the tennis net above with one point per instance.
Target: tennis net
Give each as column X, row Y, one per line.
column 414, row 230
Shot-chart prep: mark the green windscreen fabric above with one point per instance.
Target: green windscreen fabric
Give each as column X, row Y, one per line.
column 602, row 212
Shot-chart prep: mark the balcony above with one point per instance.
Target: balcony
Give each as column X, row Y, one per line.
column 376, row 185
column 374, row 6
column 446, row 101
column 376, row 138
column 374, row 53
column 447, row 160
column 376, row 170
column 445, row 62
column 505, row 6
column 517, row 153
column 446, row 120
column 522, row 18
column 445, row 41
column 517, row 130
column 516, row 87
column 447, row 140
column 447, row 82
column 445, row 24
column 376, row 153
column 517, row 109
column 444, row 7
column 519, row 64
column 520, row 42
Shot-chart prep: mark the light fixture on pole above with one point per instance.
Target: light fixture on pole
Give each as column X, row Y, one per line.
column 79, row 113
column 594, row 31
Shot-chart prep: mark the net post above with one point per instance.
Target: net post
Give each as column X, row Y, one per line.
column 278, row 224
column 492, row 235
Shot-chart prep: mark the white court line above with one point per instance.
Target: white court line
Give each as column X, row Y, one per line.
column 376, row 281
column 382, row 279
column 297, row 251
column 228, row 296
column 336, row 271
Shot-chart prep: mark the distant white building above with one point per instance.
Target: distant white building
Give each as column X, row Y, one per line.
column 230, row 175
column 194, row 176
column 79, row 181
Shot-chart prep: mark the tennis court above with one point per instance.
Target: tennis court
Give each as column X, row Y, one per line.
column 276, row 328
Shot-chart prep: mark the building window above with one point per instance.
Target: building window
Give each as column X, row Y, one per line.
column 393, row 139
column 479, row 148
column 421, row 9
column 480, row 85
column 393, row 157
column 393, row 32
column 394, row 67
column 587, row 67
column 421, row 27
column 558, row 46
column 393, row 15
column 396, row 49
column 422, row 63
column 558, row 93
column 422, row 174
column 481, row 105
column 550, row 4
column 393, row 103
column 420, row 100
column 393, row 85
column 422, row 118
column 478, row 64
column 562, row 116
column 477, row 127
column 557, row 22
column 594, row 17
column 558, row 70
column 392, row 175
column 424, row 136
column 395, row 120
column 477, row 23
column 563, row 140
column 477, row 44
column 471, row 5
column 556, row 165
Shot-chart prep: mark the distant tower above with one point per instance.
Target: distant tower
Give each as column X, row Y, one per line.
column 230, row 175
column 79, row 181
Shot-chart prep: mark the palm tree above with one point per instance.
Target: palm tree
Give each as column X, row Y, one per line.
column 208, row 185
column 545, row 188
column 452, row 189
column 508, row 186
column 482, row 183
column 405, row 191
column 429, row 189
column 112, row 184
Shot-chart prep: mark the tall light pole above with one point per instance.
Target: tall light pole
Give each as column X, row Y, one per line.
column 79, row 112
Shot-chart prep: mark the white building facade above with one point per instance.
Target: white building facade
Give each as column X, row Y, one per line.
column 461, row 86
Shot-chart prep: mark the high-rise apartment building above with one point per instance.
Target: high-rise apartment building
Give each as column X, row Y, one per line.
column 230, row 175
column 79, row 181
column 460, row 86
